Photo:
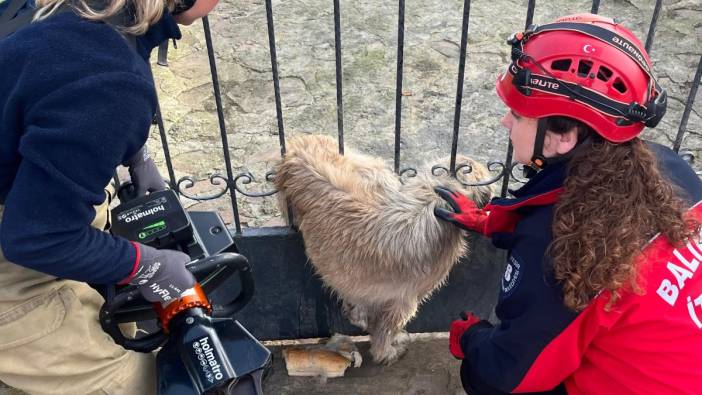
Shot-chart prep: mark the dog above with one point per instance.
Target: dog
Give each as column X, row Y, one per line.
column 372, row 239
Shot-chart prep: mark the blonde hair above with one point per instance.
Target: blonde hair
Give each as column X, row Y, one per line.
column 145, row 12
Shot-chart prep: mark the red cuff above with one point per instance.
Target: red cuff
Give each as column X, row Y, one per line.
column 136, row 266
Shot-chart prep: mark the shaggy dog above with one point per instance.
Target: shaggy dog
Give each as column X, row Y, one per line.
column 373, row 240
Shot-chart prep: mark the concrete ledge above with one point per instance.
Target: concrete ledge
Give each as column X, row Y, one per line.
column 427, row 369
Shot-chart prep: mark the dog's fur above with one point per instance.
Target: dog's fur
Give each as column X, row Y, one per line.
column 373, row 240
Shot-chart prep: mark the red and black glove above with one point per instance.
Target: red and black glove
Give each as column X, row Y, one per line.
column 456, row 331
column 466, row 214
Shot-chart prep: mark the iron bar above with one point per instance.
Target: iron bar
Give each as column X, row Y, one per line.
column 652, row 27
column 459, row 85
column 530, row 13
column 595, row 7
column 688, row 107
column 276, row 80
column 398, row 87
column 508, row 160
column 506, row 175
column 164, row 144
column 339, row 76
column 222, row 125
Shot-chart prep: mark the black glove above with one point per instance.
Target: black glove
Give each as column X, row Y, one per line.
column 144, row 173
column 161, row 275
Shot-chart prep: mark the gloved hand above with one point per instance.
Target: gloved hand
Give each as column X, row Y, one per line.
column 456, row 331
column 144, row 173
column 160, row 275
column 466, row 214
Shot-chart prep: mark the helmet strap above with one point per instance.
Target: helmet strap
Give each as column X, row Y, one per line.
column 538, row 160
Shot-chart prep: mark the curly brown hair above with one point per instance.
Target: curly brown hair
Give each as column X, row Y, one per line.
column 614, row 201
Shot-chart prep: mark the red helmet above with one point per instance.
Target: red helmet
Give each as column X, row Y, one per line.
column 586, row 67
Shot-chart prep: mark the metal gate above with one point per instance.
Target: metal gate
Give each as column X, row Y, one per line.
column 290, row 301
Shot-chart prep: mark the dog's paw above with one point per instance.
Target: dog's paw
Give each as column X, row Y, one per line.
column 391, row 354
column 401, row 339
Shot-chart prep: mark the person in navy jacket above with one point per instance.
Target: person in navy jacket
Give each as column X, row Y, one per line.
column 76, row 100
column 602, row 291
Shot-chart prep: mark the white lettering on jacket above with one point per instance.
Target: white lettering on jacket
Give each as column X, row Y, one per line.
column 683, row 268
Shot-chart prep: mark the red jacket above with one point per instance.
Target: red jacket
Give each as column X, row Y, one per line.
column 647, row 344
column 591, row 353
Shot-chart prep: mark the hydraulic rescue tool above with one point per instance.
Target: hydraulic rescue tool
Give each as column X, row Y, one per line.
column 203, row 348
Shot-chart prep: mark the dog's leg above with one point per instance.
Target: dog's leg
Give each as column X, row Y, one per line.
column 385, row 324
column 356, row 314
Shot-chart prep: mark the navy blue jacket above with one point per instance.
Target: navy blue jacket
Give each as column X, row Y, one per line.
column 530, row 305
column 4, row 4
column 76, row 101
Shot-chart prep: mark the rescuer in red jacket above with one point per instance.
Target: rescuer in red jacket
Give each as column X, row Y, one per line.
column 602, row 292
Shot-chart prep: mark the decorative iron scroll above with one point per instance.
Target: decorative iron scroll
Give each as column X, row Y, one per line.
column 188, row 182
column 408, row 172
column 498, row 168
column 466, row 168
column 247, row 178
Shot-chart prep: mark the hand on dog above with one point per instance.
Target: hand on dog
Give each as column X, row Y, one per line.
column 456, row 331
column 466, row 214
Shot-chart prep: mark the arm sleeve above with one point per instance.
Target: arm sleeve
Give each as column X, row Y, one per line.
column 517, row 355
column 73, row 140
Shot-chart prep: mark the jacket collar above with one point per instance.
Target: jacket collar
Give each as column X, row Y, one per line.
column 541, row 189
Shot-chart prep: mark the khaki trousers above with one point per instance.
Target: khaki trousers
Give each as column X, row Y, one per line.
column 51, row 341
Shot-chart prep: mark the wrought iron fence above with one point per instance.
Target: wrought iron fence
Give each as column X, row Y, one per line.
column 232, row 183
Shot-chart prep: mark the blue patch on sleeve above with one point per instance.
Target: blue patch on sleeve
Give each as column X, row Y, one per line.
column 512, row 276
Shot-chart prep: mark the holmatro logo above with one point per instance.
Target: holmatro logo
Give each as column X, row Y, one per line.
column 141, row 214
column 209, row 362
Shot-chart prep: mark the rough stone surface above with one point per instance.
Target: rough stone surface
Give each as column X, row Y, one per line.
column 305, row 47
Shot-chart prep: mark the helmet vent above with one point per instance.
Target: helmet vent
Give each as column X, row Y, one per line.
column 604, row 73
column 619, row 85
column 561, row 64
column 584, row 67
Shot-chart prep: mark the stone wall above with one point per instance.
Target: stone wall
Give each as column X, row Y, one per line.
column 305, row 46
